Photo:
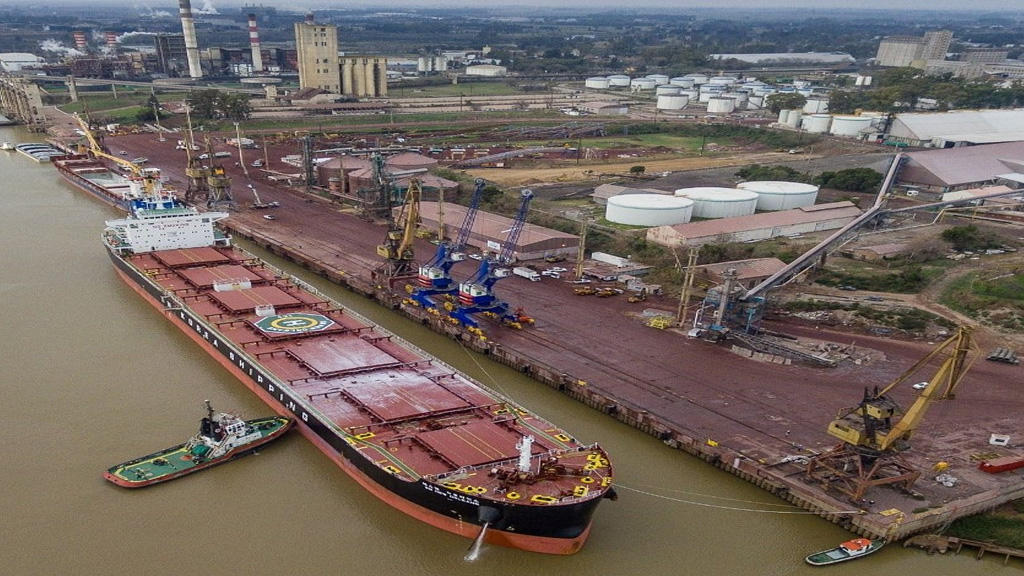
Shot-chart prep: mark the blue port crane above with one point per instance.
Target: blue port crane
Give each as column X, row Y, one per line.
column 476, row 295
column 435, row 276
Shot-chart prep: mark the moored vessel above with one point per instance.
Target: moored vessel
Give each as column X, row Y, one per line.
column 38, row 151
column 222, row 437
column 410, row 429
column 849, row 550
column 95, row 177
column 7, row 146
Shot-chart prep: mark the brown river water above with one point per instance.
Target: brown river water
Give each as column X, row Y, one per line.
column 91, row 375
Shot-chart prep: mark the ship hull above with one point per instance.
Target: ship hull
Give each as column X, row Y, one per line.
column 556, row 529
column 101, row 193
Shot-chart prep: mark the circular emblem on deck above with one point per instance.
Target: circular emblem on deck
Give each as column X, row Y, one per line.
column 294, row 323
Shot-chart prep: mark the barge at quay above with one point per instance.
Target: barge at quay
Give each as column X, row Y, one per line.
column 410, row 429
column 95, row 177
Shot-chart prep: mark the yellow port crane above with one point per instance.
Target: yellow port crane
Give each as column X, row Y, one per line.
column 148, row 177
column 874, row 433
column 397, row 248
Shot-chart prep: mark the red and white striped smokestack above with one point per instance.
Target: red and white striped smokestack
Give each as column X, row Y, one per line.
column 112, row 39
column 254, row 41
column 80, row 41
column 188, row 29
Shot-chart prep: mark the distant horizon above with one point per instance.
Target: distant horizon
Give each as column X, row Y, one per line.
column 582, row 6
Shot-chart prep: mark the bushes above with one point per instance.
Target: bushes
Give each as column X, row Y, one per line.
column 909, row 280
column 970, row 238
column 850, row 180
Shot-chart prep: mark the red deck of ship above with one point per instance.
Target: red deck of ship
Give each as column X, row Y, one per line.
column 412, row 416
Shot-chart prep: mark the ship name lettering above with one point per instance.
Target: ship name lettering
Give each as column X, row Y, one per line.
column 270, row 388
column 231, row 356
column 451, row 495
column 292, row 406
column 259, row 378
column 305, row 417
column 216, row 343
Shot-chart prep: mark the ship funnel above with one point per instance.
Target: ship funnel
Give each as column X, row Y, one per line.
column 254, row 41
column 188, row 29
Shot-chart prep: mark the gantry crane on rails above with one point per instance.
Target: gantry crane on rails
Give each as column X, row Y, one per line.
column 874, row 434
column 476, row 295
column 435, row 277
column 397, row 249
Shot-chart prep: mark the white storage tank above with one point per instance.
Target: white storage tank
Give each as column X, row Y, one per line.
column 698, row 79
column 847, row 125
column 682, row 82
column 666, row 89
column 741, row 98
column 649, row 209
column 783, row 116
column 710, row 202
column 715, row 88
column 755, row 102
column 659, row 78
column 642, row 84
column 794, row 118
column 618, row 81
column 692, row 93
column 599, row 82
column 722, row 80
column 817, row 123
column 816, row 106
column 778, row 195
column 672, row 102
column 721, row 105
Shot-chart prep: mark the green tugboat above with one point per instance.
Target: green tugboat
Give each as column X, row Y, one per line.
column 856, row 548
column 222, row 437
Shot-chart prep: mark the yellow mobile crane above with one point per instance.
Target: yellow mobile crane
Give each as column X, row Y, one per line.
column 150, row 177
column 874, row 433
column 397, row 248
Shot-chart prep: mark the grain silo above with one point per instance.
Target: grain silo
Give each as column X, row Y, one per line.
column 618, row 81
column 672, row 102
column 845, row 125
column 817, row 123
column 598, row 82
column 816, row 106
column 649, row 209
column 710, row 202
column 793, row 121
column 778, row 195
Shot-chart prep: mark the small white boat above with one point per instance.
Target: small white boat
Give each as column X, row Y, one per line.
column 6, row 146
column 849, row 550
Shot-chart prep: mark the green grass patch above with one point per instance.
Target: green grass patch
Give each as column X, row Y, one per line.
column 104, row 104
column 999, row 528
column 997, row 301
column 467, row 90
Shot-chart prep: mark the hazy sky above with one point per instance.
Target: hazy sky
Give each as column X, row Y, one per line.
column 582, row 5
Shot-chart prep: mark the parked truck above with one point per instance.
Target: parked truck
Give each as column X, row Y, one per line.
column 529, row 274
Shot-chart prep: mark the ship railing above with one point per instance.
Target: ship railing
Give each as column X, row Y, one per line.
column 394, row 338
column 509, row 462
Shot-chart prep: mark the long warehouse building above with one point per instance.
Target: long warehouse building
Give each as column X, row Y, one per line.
column 763, row 226
column 490, row 230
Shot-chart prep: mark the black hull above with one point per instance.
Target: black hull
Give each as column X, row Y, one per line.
column 568, row 521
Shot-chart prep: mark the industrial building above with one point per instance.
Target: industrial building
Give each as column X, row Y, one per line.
column 877, row 252
column 898, row 51
column 490, row 70
column 958, row 128
column 604, row 108
column 16, row 61
column 940, row 171
column 789, row 58
column 317, row 50
column 748, row 273
column 763, row 226
column 490, row 231
column 170, row 54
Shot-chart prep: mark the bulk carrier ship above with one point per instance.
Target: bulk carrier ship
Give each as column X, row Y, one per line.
column 410, row 429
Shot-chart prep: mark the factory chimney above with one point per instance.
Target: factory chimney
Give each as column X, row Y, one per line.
column 254, row 40
column 188, row 28
column 80, row 42
column 112, row 41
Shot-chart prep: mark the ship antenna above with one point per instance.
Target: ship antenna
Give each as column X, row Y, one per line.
column 209, row 410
